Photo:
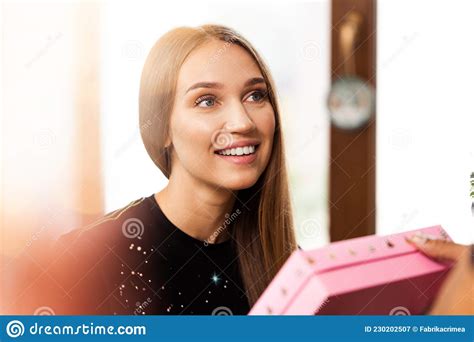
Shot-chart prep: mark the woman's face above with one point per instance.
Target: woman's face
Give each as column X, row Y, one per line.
column 222, row 123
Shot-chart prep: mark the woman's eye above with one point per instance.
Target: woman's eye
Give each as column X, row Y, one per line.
column 205, row 102
column 257, row 96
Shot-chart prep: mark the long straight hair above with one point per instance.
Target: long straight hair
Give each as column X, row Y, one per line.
column 264, row 230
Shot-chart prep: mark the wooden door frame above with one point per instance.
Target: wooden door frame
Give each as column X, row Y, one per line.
column 352, row 165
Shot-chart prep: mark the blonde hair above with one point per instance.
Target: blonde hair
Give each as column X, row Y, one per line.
column 264, row 230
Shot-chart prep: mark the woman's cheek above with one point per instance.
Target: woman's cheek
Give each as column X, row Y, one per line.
column 265, row 122
column 264, row 117
column 192, row 139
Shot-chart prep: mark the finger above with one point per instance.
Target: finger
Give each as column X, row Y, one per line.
column 439, row 249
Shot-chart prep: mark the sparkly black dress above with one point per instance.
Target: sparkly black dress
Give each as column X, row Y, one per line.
column 134, row 261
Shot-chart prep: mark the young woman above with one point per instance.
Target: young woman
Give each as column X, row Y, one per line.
column 211, row 240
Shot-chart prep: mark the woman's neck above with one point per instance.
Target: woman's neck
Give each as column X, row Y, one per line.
column 198, row 209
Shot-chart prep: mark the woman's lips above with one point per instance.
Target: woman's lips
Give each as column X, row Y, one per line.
column 243, row 159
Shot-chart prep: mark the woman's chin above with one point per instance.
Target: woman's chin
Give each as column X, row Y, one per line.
column 239, row 183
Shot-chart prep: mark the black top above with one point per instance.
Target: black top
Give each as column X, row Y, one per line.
column 135, row 261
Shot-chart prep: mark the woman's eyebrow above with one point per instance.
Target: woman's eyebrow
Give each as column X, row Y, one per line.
column 253, row 81
column 205, row 85
column 249, row 82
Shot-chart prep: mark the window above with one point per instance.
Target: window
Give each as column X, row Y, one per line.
column 425, row 146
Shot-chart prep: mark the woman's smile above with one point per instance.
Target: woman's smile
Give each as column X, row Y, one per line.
column 240, row 152
column 239, row 155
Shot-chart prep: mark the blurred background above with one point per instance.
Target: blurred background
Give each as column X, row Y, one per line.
column 70, row 144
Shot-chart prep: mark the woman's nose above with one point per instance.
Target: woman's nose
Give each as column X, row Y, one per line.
column 238, row 120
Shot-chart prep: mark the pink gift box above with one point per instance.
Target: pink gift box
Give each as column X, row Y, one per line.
column 371, row 275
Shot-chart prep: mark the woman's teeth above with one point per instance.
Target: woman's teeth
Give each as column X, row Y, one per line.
column 238, row 151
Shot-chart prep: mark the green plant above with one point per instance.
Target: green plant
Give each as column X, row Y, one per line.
column 472, row 185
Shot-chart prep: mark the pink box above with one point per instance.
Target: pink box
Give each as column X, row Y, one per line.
column 371, row 275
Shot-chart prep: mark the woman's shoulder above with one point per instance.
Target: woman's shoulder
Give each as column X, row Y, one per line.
column 114, row 228
column 91, row 259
